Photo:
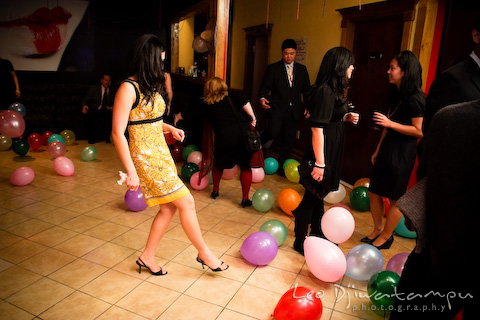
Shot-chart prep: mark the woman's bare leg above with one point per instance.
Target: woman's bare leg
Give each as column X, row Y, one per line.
column 189, row 221
column 157, row 230
column 393, row 218
column 377, row 210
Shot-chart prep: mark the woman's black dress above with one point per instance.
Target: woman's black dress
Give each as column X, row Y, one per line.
column 326, row 112
column 229, row 146
column 396, row 157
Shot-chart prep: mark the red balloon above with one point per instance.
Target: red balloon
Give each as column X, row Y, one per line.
column 169, row 139
column 35, row 141
column 299, row 303
column 45, row 137
column 177, row 150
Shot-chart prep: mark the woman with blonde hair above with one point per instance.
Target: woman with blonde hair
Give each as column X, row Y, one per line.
column 229, row 114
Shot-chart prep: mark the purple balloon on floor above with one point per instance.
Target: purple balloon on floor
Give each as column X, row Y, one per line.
column 259, row 248
column 135, row 200
column 397, row 262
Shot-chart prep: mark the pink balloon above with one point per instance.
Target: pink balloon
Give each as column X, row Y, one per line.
column 195, row 157
column 56, row 149
column 258, row 174
column 194, row 181
column 338, row 224
column 324, row 259
column 22, row 176
column 342, row 205
column 397, row 262
column 229, row 174
column 63, row 166
column 11, row 123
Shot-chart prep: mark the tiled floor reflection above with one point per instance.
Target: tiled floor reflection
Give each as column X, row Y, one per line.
column 68, row 247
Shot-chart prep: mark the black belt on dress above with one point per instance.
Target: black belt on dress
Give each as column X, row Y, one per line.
column 145, row 121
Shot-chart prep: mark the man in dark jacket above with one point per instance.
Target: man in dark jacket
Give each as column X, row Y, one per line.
column 281, row 93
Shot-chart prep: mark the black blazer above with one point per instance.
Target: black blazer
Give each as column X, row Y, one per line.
column 459, row 83
column 93, row 98
column 282, row 96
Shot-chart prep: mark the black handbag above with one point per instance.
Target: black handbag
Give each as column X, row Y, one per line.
column 251, row 137
column 318, row 189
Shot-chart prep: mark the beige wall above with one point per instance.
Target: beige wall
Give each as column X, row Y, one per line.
column 323, row 31
column 185, row 31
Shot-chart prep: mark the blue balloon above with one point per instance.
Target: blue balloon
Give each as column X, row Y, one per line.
column 20, row 108
column 402, row 230
column 55, row 137
column 271, row 165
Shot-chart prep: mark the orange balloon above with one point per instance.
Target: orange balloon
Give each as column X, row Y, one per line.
column 364, row 182
column 289, row 199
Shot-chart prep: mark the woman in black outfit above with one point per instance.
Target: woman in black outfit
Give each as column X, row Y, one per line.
column 227, row 112
column 320, row 170
column 394, row 157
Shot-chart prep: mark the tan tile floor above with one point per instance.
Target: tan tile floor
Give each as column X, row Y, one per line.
column 68, row 247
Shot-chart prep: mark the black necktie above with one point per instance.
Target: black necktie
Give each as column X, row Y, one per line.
column 104, row 99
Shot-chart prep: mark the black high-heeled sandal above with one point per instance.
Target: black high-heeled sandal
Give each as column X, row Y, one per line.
column 386, row 245
column 215, row 194
column 368, row 240
column 214, row 270
column 142, row 264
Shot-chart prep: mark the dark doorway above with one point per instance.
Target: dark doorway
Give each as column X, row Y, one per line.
column 375, row 42
column 256, row 61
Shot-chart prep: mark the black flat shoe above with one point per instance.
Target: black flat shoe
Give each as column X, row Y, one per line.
column 368, row 240
column 386, row 245
column 214, row 194
column 214, row 270
column 298, row 246
column 246, row 203
column 142, row 264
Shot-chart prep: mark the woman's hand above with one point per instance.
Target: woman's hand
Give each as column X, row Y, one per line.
column 382, row 120
column 317, row 173
column 253, row 122
column 132, row 181
column 352, row 117
column 178, row 134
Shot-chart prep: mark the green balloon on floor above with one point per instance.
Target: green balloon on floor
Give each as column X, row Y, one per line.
column 187, row 150
column 20, row 146
column 381, row 288
column 360, row 199
column 263, row 200
column 188, row 169
column 277, row 229
column 89, row 153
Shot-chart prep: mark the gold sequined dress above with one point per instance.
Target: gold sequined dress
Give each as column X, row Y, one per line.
column 151, row 156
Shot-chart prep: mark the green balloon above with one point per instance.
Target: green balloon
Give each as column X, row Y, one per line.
column 381, row 288
column 56, row 137
column 263, row 200
column 188, row 169
column 187, row 150
column 89, row 153
column 277, row 229
column 360, row 199
column 20, row 146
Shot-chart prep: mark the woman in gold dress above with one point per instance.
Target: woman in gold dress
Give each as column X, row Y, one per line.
column 139, row 107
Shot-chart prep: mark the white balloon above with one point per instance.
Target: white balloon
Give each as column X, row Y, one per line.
column 336, row 196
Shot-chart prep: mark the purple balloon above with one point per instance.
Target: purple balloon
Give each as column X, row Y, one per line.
column 135, row 200
column 397, row 262
column 259, row 248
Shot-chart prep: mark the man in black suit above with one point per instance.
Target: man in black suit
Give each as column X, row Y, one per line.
column 97, row 107
column 281, row 93
column 459, row 83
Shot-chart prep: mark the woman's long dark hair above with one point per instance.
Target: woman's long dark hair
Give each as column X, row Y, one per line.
column 412, row 77
column 145, row 61
column 333, row 70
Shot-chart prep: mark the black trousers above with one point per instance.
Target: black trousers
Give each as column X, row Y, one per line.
column 284, row 128
column 423, row 294
column 309, row 212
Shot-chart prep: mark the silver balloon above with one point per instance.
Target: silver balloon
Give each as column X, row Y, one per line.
column 363, row 261
column 199, row 45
